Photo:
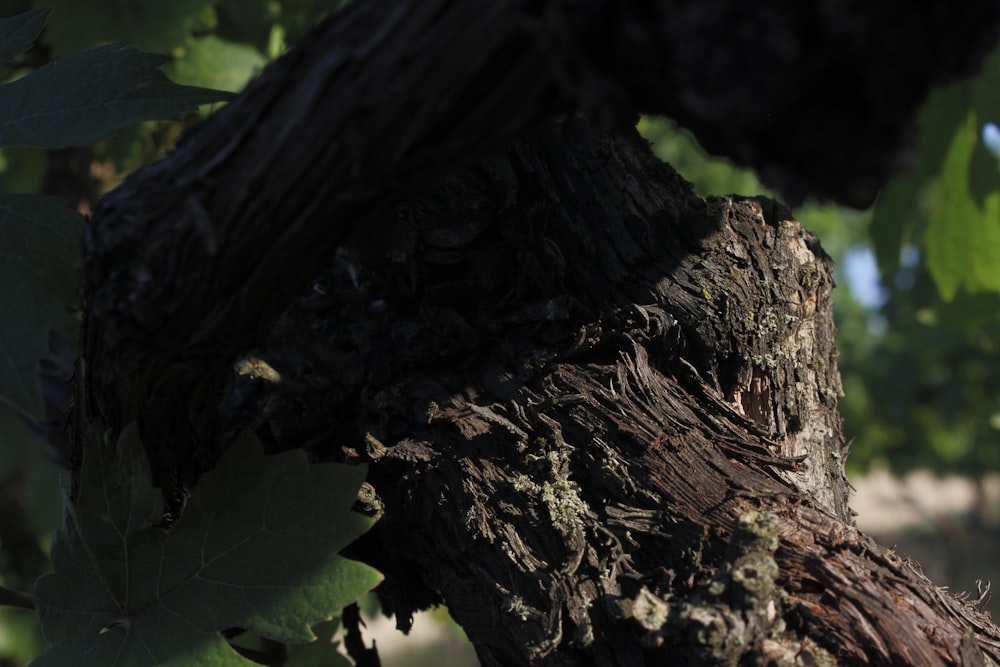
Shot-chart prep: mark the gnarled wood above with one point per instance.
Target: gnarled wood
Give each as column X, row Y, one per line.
column 569, row 387
column 599, row 411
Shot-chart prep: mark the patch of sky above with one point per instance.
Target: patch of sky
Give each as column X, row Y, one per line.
column 991, row 138
column 859, row 269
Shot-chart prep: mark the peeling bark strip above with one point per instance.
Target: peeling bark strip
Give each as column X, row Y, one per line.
column 572, row 377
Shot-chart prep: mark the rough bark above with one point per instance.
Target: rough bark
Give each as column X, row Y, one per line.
column 572, row 378
column 599, row 412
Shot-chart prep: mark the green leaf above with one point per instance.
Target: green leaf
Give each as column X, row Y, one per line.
column 211, row 62
column 22, row 169
column 320, row 653
column 29, row 476
column 893, row 218
column 17, row 446
column 84, row 97
column 256, row 547
column 19, row 32
column 165, row 640
column 39, row 258
column 962, row 240
column 151, row 25
column 249, row 21
column 948, row 172
column 20, row 639
column 899, row 207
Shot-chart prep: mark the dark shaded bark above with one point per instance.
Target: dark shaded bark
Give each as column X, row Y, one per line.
column 599, row 412
column 567, row 408
column 387, row 98
column 624, row 378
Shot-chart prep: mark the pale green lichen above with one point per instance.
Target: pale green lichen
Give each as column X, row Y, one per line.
column 767, row 323
column 470, row 521
column 610, row 463
column 256, row 367
column 769, row 361
column 757, row 531
column 559, row 495
column 736, row 618
column 648, row 610
column 524, row 484
column 515, row 605
column 566, row 508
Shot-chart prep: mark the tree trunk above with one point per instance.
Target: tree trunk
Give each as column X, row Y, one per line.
column 599, row 411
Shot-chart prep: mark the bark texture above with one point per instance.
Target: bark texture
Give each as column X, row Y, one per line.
column 599, row 411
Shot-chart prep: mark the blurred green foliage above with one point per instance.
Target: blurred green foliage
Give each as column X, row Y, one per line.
column 213, row 44
column 258, row 549
column 919, row 343
column 947, row 204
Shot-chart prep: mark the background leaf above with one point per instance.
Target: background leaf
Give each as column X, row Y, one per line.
column 18, row 33
column 164, row 640
column 946, row 202
column 251, row 21
column 256, row 547
column 84, row 97
column 212, row 62
column 963, row 236
column 150, row 25
column 39, row 258
column 22, row 169
column 320, row 653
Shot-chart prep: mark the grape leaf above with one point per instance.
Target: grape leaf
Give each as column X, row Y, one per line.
column 22, row 169
column 321, row 653
column 251, row 21
column 18, row 32
column 256, row 547
column 85, row 96
column 39, row 256
column 151, row 25
column 215, row 63
column 962, row 238
column 949, row 194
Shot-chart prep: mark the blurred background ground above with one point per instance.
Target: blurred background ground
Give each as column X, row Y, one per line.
column 950, row 524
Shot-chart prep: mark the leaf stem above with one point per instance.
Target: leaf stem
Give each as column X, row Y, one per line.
column 9, row 598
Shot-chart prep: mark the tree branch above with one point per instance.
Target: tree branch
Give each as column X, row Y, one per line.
column 9, row 598
column 571, row 376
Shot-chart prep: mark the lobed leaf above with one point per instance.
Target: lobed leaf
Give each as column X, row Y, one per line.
column 85, row 96
column 320, row 653
column 257, row 547
column 253, row 20
column 215, row 63
column 963, row 235
column 947, row 201
column 151, row 25
column 18, row 33
column 39, row 258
